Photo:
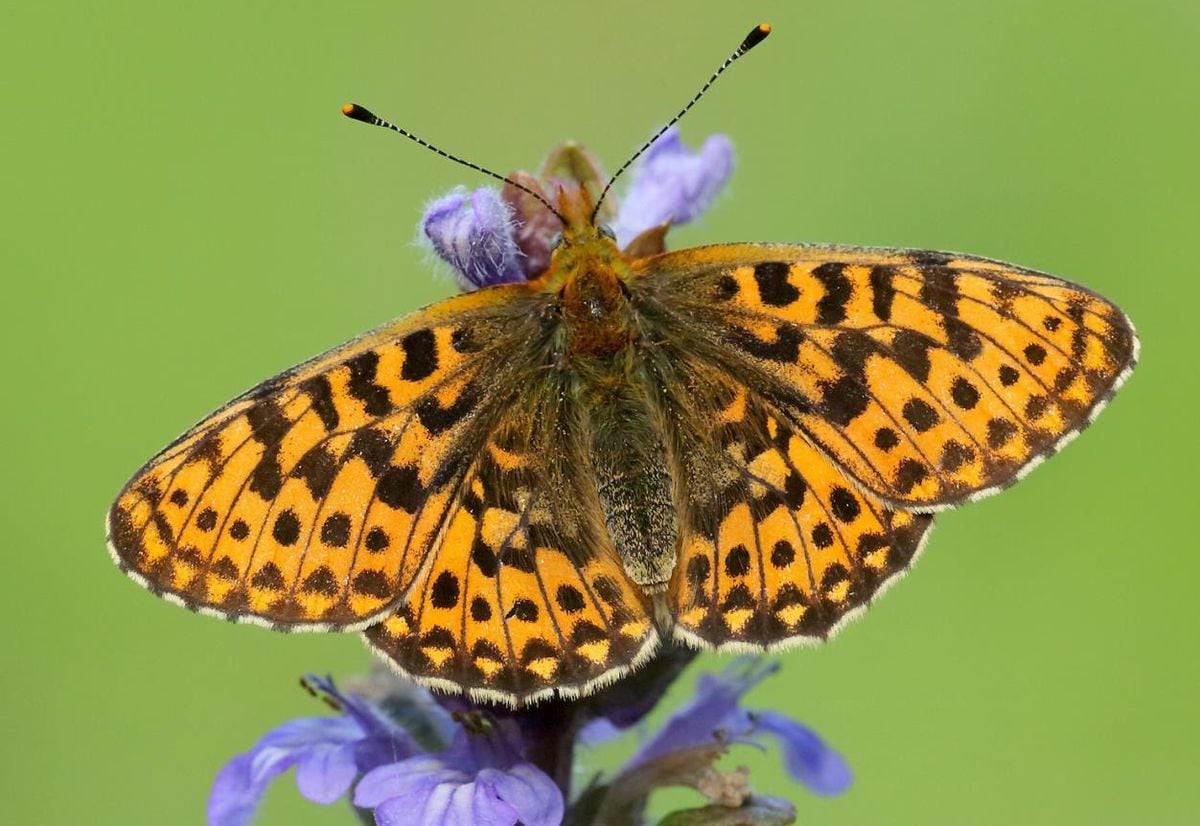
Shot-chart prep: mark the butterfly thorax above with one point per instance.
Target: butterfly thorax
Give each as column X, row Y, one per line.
column 596, row 314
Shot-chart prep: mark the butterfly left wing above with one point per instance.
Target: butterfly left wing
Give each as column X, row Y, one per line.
column 930, row 378
column 313, row 501
column 526, row 596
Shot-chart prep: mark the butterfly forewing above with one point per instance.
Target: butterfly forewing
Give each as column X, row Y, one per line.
column 930, row 378
column 314, row 499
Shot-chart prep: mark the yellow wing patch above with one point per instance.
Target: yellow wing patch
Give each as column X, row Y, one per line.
column 312, row 501
column 930, row 378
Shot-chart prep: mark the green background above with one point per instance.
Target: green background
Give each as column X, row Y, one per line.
column 187, row 213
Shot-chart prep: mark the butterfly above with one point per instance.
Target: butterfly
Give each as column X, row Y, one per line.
column 519, row 491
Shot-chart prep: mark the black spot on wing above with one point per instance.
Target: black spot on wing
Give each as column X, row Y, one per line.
column 785, row 349
column 774, row 289
column 320, row 393
column 939, row 290
column 400, row 488
column 268, row 577
column 911, row 351
column 267, row 477
column 570, row 599
column 882, row 292
column 321, row 581
column 317, row 468
column 909, row 474
column 362, row 386
column 445, row 591
column 437, row 419
column 374, row 448
column 377, row 540
column 371, row 583
column 844, row 399
column 420, row 355
column 484, row 558
column 964, row 393
column 961, row 339
column 919, row 414
column 287, row 528
column 268, row 425
column 737, row 561
column 335, row 530
column 831, row 309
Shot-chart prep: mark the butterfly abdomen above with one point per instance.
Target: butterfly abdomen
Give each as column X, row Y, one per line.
column 628, row 456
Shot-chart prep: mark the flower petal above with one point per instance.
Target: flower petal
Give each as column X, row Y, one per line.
column 529, row 791
column 473, row 233
column 416, row 776
column 714, row 708
column 241, row 783
column 673, row 184
column 425, row 790
column 236, row 792
column 324, row 774
column 807, row 757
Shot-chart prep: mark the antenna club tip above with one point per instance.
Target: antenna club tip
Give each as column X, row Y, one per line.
column 356, row 112
column 757, row 35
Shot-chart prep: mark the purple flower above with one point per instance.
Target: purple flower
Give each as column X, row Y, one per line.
column 429, row 790
column 414, row 757
column 478, row 778
column 673, row 184
column 716, row 714
column 474, row 235
column 493, row 239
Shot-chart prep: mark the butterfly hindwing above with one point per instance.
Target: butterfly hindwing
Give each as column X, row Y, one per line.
column 526, row 594
column 313, row 500
column 930, row 378
column 777, row 544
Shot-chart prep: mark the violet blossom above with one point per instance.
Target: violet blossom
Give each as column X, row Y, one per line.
column 491, row 237
column 404, row 755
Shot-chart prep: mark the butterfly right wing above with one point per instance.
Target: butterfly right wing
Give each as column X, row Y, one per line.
column 778, row 545
column 931, row 378
column 526, row 596
column 313, row 501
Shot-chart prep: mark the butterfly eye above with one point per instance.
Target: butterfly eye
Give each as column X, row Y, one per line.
column 556, row 241
column 607, row 231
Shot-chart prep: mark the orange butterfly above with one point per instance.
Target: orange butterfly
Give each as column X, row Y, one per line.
column 516, row 491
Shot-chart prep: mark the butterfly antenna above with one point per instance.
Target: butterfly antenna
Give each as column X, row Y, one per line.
column 356, row 112
column 757, row 35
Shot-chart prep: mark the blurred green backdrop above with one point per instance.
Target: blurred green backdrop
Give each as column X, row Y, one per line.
column 186, row 213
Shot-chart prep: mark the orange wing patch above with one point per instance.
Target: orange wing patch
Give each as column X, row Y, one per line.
column 526, row 596
column 787, row 547
column 930, row 378
column 312, row 501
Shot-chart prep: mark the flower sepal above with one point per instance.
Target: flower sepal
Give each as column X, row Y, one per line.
column 756, row 810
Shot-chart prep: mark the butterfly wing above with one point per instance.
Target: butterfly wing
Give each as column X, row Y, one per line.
column 929, row 378
column 314, row 500
column 527, row 595
column 777, row 544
